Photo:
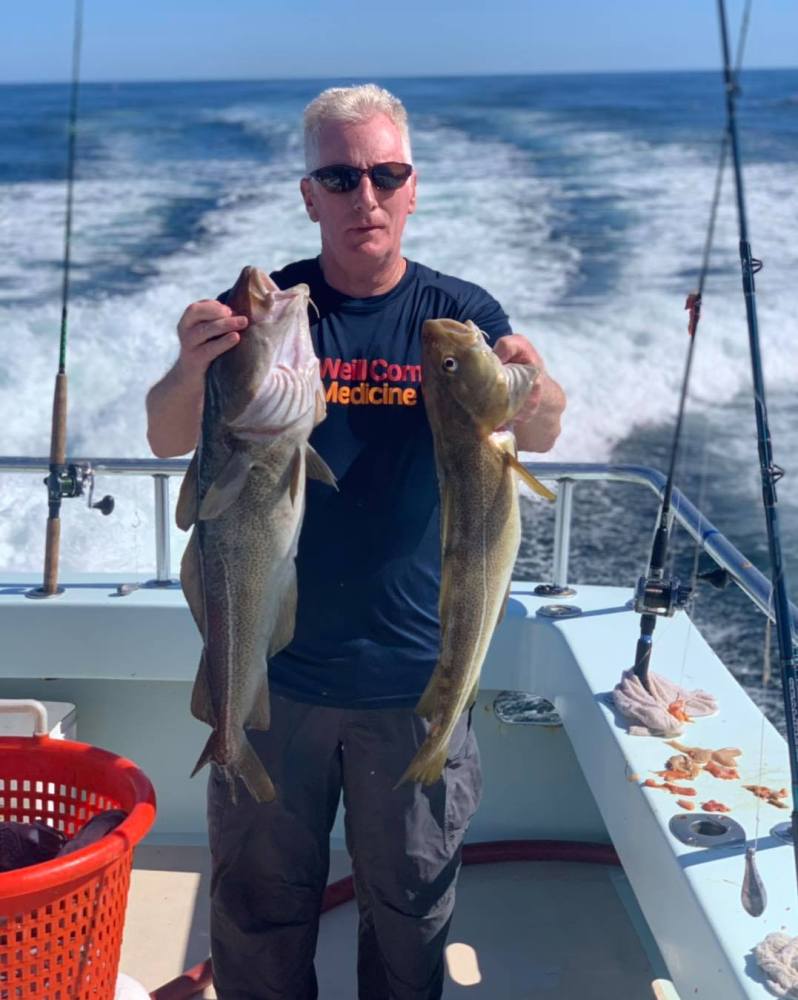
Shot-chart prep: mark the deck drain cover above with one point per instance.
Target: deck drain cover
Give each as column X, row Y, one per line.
column 559, row 611
column 707, row 829
column 522, row 708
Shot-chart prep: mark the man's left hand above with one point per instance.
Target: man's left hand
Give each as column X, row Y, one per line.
column 515, row 349
column 537, row 423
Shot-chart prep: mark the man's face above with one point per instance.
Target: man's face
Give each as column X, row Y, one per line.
column 363, row 227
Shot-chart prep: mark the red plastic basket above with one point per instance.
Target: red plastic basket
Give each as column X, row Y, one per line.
column 61, row 921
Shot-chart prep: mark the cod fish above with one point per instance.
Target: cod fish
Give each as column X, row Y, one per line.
column 244, row 493
column 468, row 393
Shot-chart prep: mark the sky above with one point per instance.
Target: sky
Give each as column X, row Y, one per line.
column 278, row 39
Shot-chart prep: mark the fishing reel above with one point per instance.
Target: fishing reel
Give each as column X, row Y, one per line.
column 654, row 596
column 67, row 481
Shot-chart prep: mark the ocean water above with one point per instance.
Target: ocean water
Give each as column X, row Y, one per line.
column 580, row 202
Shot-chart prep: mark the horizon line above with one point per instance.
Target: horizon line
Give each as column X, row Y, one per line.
column 390, row 76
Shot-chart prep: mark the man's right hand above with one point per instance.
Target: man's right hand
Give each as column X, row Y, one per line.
column 206, row 329
column 174, row 405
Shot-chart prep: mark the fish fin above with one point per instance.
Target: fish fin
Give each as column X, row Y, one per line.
column 191, row 581
column 201, row 701
column 283, row 631
column 317, row 468
column 186, row 510
column 528, row 478
column 295, row 475
column 254, row 775
column 227, row 486
column 207, row 754
column 260, row 714
column 425, row 767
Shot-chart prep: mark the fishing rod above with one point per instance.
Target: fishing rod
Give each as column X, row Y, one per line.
column 65, row 480
column 656, row 595
column 770, row 473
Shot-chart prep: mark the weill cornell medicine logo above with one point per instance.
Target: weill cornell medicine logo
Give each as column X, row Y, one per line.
column 375, row 382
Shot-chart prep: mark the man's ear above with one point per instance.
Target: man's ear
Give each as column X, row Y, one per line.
column 307, row 196
column 412, row 206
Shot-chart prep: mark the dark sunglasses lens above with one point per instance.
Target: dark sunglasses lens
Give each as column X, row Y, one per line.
column 390, row 176
column 338, row 179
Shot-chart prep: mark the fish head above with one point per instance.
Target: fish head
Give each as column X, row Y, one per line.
column 270, row 380
column 464, row 380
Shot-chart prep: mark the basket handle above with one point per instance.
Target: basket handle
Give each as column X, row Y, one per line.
column 28, row 705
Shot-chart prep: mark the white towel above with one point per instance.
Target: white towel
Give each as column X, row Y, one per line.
column 648, row 711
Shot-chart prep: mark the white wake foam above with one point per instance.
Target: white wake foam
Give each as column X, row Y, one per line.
column 486, row 213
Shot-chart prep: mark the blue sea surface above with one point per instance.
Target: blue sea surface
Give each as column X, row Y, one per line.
column 580, row 201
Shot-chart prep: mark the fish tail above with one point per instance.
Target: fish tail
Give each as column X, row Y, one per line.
column 427, row 765
column 207, row 754
column 254, row 775
column 247, row 766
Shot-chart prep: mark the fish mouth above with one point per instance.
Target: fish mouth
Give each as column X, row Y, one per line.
column 281, row 370
column 257, row 297
column 250, row 295
column 261, row 283
column 294, row 352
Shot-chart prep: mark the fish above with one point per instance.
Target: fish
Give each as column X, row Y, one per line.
column 468, row 393
column 244, row 496
column 753, row 895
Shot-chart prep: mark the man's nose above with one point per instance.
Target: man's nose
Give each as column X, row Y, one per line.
column 365, row 195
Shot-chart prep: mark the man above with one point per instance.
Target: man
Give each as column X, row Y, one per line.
column 366, row 634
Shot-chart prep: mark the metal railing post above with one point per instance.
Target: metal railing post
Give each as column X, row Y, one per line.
column 162, row 553
column 562, row 532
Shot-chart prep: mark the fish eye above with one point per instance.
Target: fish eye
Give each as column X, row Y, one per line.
column 449, row 364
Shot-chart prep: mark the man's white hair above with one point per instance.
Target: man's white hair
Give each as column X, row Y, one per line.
column 351, row 105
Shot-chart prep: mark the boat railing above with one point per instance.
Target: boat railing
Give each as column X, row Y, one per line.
column 748, row 578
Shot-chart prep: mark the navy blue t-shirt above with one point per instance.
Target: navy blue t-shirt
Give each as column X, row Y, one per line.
column 368, row 566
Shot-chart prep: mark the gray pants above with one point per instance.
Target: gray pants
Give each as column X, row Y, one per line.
column 270, row 861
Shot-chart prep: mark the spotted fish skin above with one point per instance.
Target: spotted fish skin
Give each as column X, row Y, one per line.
column 468, row 393
column 753, row 896
column 244, row 495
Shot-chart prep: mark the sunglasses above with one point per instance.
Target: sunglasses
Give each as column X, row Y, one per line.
column 340, row 178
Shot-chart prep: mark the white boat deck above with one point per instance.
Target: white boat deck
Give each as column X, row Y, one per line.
column 521, row 930
column 127, row 663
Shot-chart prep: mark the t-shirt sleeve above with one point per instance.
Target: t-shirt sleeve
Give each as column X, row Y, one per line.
column 481, row 308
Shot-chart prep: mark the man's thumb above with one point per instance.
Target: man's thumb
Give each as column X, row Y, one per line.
column 503, row 350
